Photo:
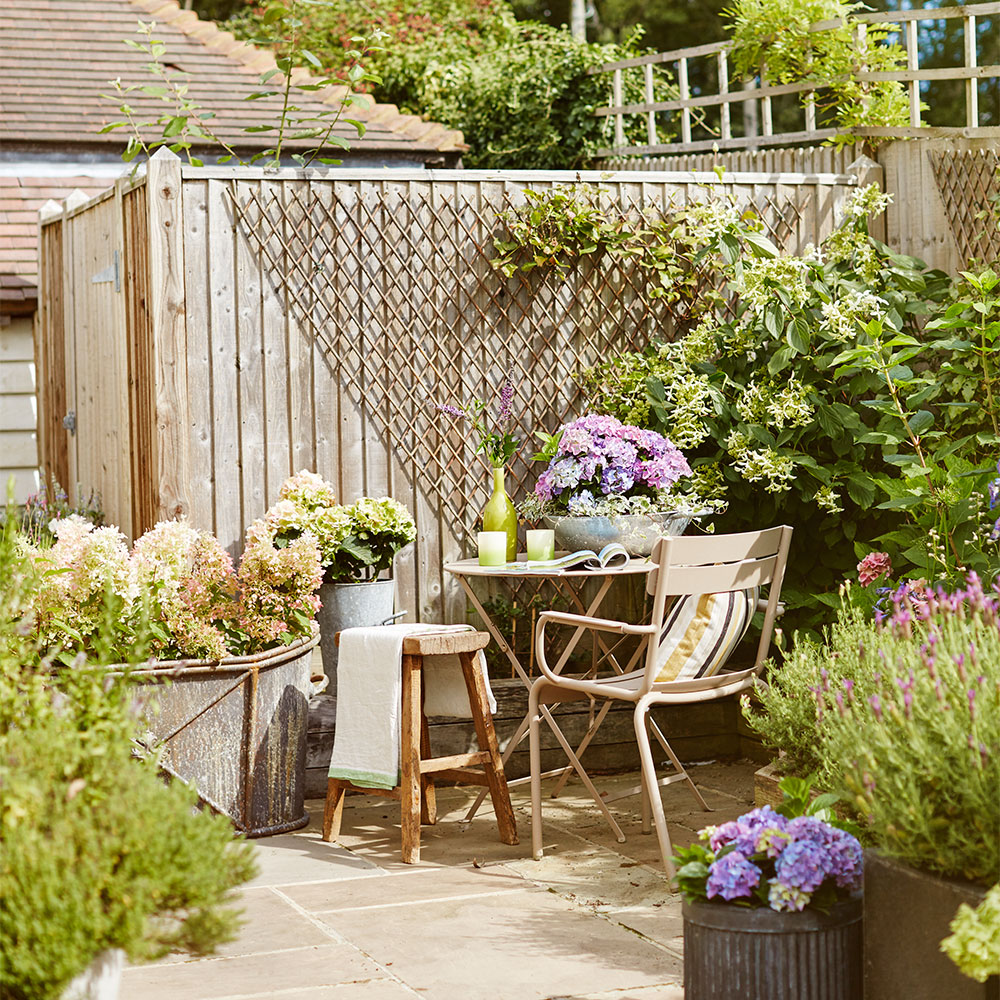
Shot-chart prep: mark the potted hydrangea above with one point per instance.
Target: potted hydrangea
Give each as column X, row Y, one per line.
column 610, row 482
column 357, row 545
column 772, row 906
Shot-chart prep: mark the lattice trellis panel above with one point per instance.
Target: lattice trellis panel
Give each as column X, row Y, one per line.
column 396, row 282
column 969, row 184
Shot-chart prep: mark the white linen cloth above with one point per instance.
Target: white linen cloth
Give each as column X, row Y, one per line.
column 369, row 699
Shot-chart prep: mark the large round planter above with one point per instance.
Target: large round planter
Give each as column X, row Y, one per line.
column 738, row 953
column 907, row 914
column 101, row 980
column 637, row 532
column 236, row 730
column 350, row 605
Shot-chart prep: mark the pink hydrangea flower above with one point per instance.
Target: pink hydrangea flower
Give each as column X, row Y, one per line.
column 873, row 567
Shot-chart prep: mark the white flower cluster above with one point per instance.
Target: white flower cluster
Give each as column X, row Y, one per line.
column 842, row 317
column 756, row 464
column 787, row 406
column 828, row 499
column 707, row 219
column 762, row 277
column 866, row 201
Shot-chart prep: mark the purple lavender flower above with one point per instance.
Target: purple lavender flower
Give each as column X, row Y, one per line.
column 505, row 410
column 732, row 877
column 452, row 411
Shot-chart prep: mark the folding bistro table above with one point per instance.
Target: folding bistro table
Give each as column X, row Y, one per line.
column 568, row 583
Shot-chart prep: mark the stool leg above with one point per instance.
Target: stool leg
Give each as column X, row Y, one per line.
column 428, row 795
column 333, row 809
column 483, row 721
column 410, row 759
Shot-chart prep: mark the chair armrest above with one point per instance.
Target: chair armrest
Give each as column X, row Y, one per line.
column 601, row 624
column 762, row 606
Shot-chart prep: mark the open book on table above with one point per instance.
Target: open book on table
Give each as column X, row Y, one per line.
column 613, row 556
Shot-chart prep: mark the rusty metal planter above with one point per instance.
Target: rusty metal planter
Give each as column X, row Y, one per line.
column 236, row 730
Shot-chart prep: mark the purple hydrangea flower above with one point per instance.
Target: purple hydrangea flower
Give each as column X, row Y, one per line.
column 732, row 877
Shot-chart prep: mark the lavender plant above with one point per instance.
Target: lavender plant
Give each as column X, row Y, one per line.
column 786, row 860
column 902, row 715
column 491, row 426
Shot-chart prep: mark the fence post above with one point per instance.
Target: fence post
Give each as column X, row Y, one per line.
column 169, row 330
column 913, row 64
column 971, row 85
column 685, row 93
column 725, row 130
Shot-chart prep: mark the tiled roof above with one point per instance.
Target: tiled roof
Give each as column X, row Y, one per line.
column 20, row 199
column 57, row 56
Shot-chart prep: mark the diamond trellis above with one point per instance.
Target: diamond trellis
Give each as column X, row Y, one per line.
column 969, row 184
column 396, row 282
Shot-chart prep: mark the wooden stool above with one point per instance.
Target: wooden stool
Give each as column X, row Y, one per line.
column 416, row 791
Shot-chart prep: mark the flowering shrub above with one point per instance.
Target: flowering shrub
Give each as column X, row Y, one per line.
column 355, row 541
column 599, row 465
column 811, row 390
column 873, row 567
column 278, row 599
column 902, row 714
column 974, row 942
column 765, row 858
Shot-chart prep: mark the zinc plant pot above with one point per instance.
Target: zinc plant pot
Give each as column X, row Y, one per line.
column 101, row 980
column 236, row 730
column 907, row 914
column 637, row 532
column 738, row 953
column 350, row 605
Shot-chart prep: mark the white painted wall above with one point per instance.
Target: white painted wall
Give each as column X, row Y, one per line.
column 18, row 445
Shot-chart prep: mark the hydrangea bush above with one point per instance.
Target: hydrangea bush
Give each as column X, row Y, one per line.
column 356, row 541
column 765, row 858
column 598, row 465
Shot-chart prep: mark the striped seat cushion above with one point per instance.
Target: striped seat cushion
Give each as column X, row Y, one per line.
column 700, row 633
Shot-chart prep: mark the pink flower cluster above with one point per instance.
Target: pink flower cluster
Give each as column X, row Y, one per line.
column 873, row 567
column 599, row 454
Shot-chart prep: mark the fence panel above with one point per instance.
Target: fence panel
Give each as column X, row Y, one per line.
column 311, row 320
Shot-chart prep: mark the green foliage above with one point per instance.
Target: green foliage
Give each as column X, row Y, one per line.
column 772, row 37
column 303, row 134
column 41, row 508
column 974, row 942
column 520, row 92
column 904, row 720
column 808, row 393
column 97, row 851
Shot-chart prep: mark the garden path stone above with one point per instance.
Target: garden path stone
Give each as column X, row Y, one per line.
column 593, row 920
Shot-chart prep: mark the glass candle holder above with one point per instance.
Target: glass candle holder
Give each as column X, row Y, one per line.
column 492, row 548
column 541, row 544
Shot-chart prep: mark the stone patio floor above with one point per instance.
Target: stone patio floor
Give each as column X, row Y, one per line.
column 475, row 920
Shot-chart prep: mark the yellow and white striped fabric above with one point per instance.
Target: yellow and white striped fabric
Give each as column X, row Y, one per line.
column 701, row 631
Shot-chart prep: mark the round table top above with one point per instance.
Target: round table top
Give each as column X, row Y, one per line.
column 471, row 567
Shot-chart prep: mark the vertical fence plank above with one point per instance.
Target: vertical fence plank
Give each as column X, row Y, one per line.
column 913, row 64
column 971, row 85
column 725, row 127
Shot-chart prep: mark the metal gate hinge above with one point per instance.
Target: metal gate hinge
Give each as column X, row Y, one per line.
column 111, row 273
column 69, row 421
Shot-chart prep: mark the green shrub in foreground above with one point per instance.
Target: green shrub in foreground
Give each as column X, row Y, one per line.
column 97, row 851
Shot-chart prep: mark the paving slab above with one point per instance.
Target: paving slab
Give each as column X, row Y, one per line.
column 593, row 920
column 527, row 945
column 249, row 975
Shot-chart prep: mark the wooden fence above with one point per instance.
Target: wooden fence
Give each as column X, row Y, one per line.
column 212, row 330
column 712, row 111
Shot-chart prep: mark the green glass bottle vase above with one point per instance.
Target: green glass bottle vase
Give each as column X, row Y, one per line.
column 499, row 514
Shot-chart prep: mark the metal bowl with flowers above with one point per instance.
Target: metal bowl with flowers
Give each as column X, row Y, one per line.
column 606, row 481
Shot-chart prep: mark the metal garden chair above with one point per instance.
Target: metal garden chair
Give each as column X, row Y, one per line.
column 705, row 589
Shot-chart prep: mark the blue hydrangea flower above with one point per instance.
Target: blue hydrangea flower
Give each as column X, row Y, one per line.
column 732, row 877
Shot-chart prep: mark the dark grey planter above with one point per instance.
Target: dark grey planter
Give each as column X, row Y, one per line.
column 738, row 953
column 907, row 913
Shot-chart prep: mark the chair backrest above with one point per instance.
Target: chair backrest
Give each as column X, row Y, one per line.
column 711, row 564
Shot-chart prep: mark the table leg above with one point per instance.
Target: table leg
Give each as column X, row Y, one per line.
column 410, row 760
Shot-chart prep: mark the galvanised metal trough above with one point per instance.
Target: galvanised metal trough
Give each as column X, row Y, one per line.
column 236, row 730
